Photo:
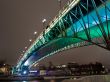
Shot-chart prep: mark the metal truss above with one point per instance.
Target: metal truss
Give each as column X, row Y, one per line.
column 80, row 18
column 88, row 21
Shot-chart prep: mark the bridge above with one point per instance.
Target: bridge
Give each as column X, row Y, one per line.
column 80, row 23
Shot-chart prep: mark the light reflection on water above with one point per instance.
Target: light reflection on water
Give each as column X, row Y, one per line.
column 38, row 81
column 25, row 81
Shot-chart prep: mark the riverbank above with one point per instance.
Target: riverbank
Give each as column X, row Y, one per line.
column 93, row 78
column 20, row 78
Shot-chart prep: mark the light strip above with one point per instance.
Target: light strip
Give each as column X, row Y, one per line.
column 56, row 19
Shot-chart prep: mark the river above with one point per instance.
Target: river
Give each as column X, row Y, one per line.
column 37, row 81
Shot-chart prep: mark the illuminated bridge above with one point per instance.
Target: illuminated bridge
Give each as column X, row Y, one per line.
column 80, row 23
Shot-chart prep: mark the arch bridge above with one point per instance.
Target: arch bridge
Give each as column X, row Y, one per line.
column 80, row 23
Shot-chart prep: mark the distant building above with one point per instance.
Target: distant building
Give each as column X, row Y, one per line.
column 5, row 69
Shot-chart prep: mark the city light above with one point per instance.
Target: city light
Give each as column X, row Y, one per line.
column 24, row 81
column 26, row 63
column 63, row 65
column 33, row 71
column 25, row 47
column 80, row 32
column 24, row 72
column 75, row 78
column 44, row 20
column 35, row 33
column 30, row 40
column 35, row 64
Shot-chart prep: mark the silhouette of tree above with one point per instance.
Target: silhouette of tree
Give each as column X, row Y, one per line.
column 2, row 62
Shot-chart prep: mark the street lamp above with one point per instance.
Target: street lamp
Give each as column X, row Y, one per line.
column 35, row 33
column 44, row 26
column 30, row 40
column 44, row 20
column 26, row 47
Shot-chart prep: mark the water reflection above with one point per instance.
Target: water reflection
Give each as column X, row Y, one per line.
column 39, row 81
column 26, row 81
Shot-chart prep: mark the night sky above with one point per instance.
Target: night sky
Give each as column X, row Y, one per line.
column 18, row 21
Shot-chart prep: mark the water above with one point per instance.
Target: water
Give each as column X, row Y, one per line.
column 36, row 81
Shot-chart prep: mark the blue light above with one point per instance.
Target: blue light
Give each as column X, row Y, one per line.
column 24, row 81
column 33, row 71
column 26, row 63
column 24, row 72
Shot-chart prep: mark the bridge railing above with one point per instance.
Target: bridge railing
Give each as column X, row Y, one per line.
column 62, row 12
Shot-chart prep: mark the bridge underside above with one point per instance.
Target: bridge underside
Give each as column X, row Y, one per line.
column 86, row 23
column 64, row 43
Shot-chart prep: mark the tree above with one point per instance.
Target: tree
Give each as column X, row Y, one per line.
column 2, row 62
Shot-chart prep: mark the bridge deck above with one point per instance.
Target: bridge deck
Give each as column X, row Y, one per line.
column 87, row 19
